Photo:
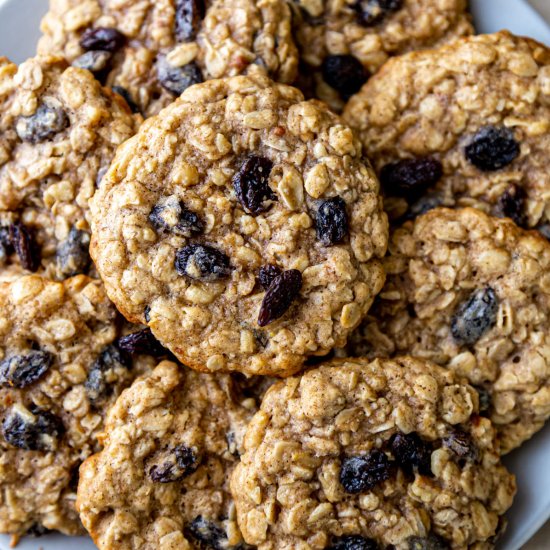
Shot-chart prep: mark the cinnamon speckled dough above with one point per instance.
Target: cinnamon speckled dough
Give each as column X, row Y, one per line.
column 59, row 374
column 235, row 36
column 162, row 479
column 436, row 467
column 434, row 103
column 171, row 190
column 58, row 132
column 335, row 27
column 434, row 266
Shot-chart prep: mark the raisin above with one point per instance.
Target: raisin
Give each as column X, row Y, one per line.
column 332, row 221
column 171, row 215
column 353, row 542
column 98, row 384
column 251, row 184
column 267, row 275
column 412, row 453
column 422, row 205
column 125, row 94
column 189, row 14
column 147, row 313
column 474, row 317
column 37, row 431
column 181, row 462
column 94, row 61
column 431, row 542
column 344, row 73
column 484, row 399
column 73, row 256
column 461, row 444
column 410, row 178
column 177, row 79
column 22, row 240
column 44, row 124
column 20, row 371
column 202, row 262
column 105, row 39
column 142, row 341
column 362, row 473
column 372, row 12
column 6, row 248
column 207, row 534
column 511, row 204
column 492, row 148
column 283, row 290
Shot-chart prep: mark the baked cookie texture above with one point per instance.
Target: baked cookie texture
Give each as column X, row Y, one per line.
column 471, row 293
column 60, row 371
column 58, row 133
column 480, row 110
column 343, row 42
column 152, row 50
column 243, row 227
column 162, row 479
column 379, row 453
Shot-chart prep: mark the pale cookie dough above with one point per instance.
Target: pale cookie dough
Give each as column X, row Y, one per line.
column 162, row 480
column 467, row 124
column 471, row 293
column 381, row 454
column 59, row 130
column 151, row 50
column 343, row 42
column 60, row 370
column 243, row 227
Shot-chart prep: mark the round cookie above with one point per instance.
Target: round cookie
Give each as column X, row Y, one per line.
column 467, row 124
column 471, row 293
column 151, row 50
column 60, row 370
column 162, row 480
column 243, row 227
column 58, row 133
column 343, row 42
column 361, row 454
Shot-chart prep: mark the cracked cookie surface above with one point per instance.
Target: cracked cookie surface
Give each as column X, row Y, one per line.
column 59, row 130
column 160, row 47
column 380, row 453
column 162, row 480
column 343, row 42
column 60, row 371
column 480, row 110
column 472, row 293
column 243, row 227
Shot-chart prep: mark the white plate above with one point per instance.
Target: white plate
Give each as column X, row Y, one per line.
column 19, row 21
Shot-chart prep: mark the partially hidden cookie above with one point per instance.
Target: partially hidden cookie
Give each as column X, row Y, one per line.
column 60, row 371
column 243, row 226
column 371, row 454
column 343, row 42
column 467, row 124
column 471, row 293
column 162, row 480
column 151, row 51
column 59, row 130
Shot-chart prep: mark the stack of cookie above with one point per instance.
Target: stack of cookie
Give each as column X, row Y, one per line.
column 180, row 226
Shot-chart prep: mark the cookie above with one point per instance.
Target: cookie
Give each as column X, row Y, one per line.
column 150, row 51
column 343, row 42
column 162, row 480
column 60, row 370
column 243, row 227
column 472, row 293
column 371, row 454
column 58, row 133
column 467, row 124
